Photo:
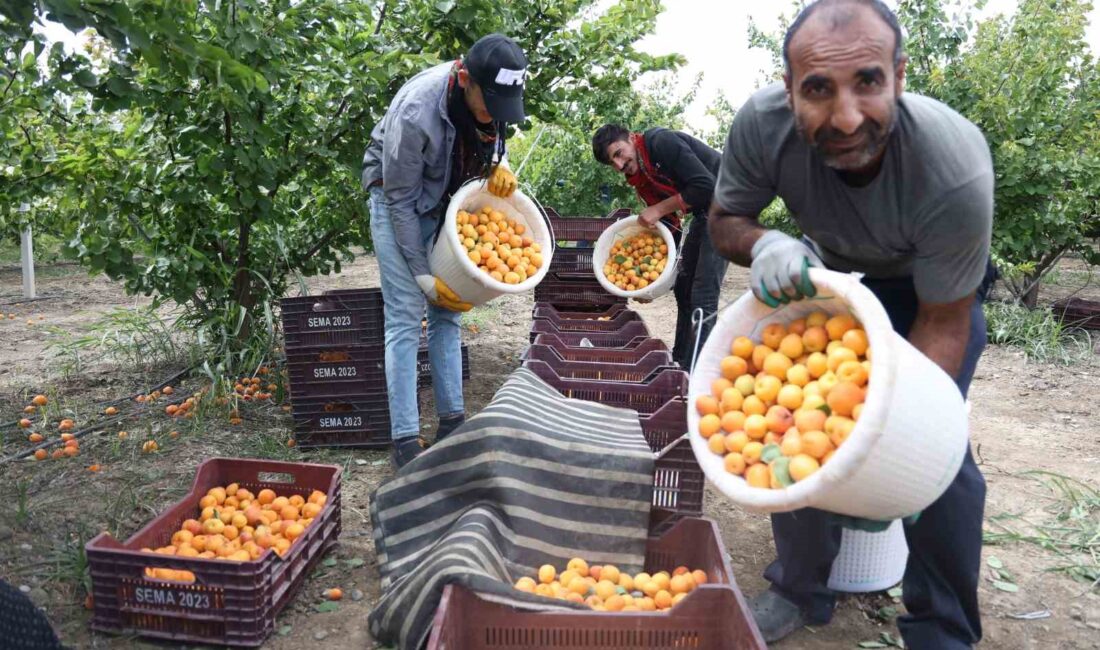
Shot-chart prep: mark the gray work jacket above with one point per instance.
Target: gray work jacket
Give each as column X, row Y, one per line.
column 410, row 153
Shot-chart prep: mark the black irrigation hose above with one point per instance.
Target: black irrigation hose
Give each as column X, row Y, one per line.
column 171, row 380
column 102, row 424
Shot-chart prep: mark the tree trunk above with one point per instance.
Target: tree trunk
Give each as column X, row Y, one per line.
column 242, row 282
column 1031, row 298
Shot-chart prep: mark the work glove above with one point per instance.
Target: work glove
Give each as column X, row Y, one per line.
column 440, row 295
column 781, row 269
column 502, row 182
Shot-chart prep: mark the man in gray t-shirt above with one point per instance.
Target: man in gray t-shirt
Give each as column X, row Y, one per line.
column 898, row 187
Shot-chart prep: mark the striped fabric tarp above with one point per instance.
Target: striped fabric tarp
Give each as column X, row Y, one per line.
column 533, row 479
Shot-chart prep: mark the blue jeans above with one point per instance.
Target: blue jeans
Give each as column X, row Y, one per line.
column 940, row 586
column 405, row 304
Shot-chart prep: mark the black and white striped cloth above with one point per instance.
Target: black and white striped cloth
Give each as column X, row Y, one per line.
column 533, row 479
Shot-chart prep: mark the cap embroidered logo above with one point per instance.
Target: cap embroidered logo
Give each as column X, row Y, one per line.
column 508, row 77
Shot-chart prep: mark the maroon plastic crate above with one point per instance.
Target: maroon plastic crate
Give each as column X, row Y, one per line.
column 352, row 370
column 645, row 398
column 606, row 340
column 714, row 616
column 571, row 264
column 342, row 421
column 348, row 370
column 372, row 294
column 334, row 319
column 601, row 355
column 229, row 603
column 626, row 330
column 678, row 481
column 424, row 367
column 572, row 314
column 545, row 363
column 1078, row 312
column 565, row 324
column 572, row 229
column 575, row 293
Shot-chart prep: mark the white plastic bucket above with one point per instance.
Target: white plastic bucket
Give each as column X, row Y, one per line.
column 870, row 561
column 450, row 262
column 624, row 229
column 906, row 447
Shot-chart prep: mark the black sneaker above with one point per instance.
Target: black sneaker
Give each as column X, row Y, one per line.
column 447, row 426
column 775, row 616
column 405, row 450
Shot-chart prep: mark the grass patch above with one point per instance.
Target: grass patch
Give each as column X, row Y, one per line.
column 132, row 337
column 481, row 316
column 47, row 250
column 1037, row 332
column 1070, row 531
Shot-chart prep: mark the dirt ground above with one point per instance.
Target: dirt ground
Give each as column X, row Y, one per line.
column 1026, row 416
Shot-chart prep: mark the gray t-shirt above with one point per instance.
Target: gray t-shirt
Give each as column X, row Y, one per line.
column 928, row 213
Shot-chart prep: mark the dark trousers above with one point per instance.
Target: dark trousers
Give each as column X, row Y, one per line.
column 940, row 587
column 698, row 284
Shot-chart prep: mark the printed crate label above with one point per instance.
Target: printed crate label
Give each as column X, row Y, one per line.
column 337, row 321
column 144, row 594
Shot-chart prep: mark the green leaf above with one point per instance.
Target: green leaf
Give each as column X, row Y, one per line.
column 872, row 644
column 994, row 562
column 355, row 562
column 770, row 452
column 619, row 259
column 894, row 592
column 1005, row 586
column 327, row 606
column 284, row 630
column 329, row 562
column 824, row 408
column 780, row 468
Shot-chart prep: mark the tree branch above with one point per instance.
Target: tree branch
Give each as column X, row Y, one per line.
column 381, row 17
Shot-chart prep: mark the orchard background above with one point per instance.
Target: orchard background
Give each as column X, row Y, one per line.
column 193, row 161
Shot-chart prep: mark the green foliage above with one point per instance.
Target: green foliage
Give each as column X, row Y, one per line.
column 1037, row 332
column 31, row 102
column 562, row 172
column 213, row 154
column 1032, row 87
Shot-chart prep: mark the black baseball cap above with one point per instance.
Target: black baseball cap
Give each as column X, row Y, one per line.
column 499, row 66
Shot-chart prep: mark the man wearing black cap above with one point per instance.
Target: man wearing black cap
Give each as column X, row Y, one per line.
column 444, row 127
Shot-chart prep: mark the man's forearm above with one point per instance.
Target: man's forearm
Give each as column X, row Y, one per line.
column 670, row 205
column 733, row 236
column 942, row 337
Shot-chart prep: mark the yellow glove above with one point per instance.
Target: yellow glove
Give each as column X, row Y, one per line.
column 440, row 295
column 502, row 182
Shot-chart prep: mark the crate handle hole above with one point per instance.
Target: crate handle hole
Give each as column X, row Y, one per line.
column 276, row 477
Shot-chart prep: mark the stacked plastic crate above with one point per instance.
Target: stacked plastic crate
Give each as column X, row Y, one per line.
column 335, row 350
column 569, row 281
column 588, row 345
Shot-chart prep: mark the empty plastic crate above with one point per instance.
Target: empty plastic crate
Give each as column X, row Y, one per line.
column 573, row 229
column 604, row 311
column 645, row 398
column 565, row 324
column 545, row 363
column 626, row 330
column 229, row 603
column 602, row 355
column 582, row 294
column 609, row 340
column 678, row 481
column 714, row 616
